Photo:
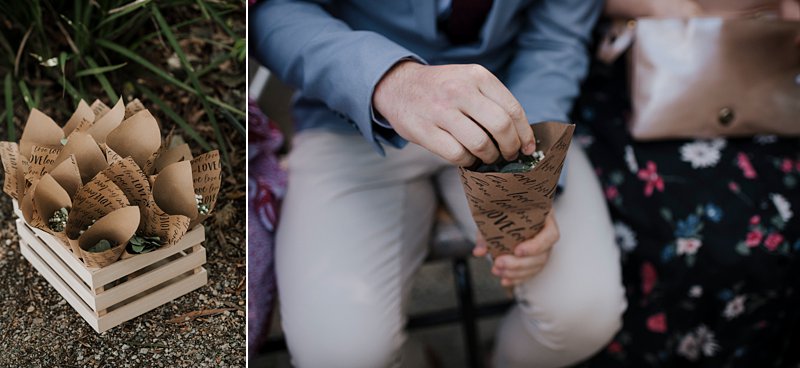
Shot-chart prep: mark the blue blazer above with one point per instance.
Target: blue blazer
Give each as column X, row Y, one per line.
column 335, row 52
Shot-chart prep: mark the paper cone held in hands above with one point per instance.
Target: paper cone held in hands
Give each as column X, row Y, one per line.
column 511, row 207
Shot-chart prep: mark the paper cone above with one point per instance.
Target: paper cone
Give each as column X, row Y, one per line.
column 111, row 155
column 87, row 154
column 81, row 119
column 170, row 156
column 511, row 207
column 9, row 155
column 207, row 178
column 96, row 199
column 49, row 197
column 40, row 130
column 131, row 180
column 67, row 175
column 41, row 160
column 132, row 108
column 117, row 227
column 22, row 184
column 99, row 109
column 138, row 137
column 108, row 122
column 170, row 228
column 28, row 209
column 173, row 190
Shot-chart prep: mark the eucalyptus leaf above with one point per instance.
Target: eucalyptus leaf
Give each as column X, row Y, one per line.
column 101, row 246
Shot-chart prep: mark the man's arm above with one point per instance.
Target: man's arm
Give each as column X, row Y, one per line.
column 552, row 57
column 307, row 47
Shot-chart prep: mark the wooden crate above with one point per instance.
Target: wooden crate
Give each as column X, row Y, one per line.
column 106, row 297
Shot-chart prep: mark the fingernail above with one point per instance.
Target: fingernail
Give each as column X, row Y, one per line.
column 529, row 148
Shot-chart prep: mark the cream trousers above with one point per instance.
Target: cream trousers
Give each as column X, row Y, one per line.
column 355, row 227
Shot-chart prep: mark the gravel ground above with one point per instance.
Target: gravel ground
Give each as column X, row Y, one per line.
column 38, row 328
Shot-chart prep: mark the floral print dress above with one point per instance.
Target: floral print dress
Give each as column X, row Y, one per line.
column 710, row 238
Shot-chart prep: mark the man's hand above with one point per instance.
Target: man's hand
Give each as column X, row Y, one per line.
column 529, row 257
column 454, row 111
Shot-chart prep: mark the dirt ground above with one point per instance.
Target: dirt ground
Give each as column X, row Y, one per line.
column 39, row 329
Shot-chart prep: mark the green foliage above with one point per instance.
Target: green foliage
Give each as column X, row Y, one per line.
column 140, row 244
column 58, row 222
column 101, row 246
column 80, row 48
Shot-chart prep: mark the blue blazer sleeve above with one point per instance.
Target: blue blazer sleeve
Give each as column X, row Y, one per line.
column 308, row 48
column 552, row 57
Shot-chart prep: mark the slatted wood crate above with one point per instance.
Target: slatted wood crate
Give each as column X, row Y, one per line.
column 106, row 297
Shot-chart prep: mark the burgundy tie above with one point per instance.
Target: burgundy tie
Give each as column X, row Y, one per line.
column 466, row 20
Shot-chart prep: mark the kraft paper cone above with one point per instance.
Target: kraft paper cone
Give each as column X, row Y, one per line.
column 67, row 175
column 28, row 209
column 87, row 154
column 131, row 180
column 49, row 197
column 117, row 227
column 173, row 190
column 97, row 198
column 138, row 137
column 511, row 207
column 170, row 156
column 99, row 109
column 40, row 130
column 82, row 118
column 207, row 178
column 170, row 228
column 108, row 122
column 111, row 155
column 132, row 108
column 22, row 183
column 41, row 160
column 9, row 155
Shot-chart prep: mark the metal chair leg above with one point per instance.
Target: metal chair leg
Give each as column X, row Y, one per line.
column 466, row 305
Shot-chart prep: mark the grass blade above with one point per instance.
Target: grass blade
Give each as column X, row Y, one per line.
column 164, row 75
column 112, row 95
column 8, row 90
column 99, row 70
column 26, row 95
column 236, row 123
column 174, row 117
column 167, row 31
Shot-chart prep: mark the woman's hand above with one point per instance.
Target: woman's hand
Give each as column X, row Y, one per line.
column 529, row 257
